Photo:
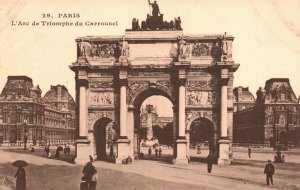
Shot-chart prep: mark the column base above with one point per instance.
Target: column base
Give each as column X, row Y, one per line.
column 224, row 152
column 181, row 157
column 82, row 151
column 122, row 150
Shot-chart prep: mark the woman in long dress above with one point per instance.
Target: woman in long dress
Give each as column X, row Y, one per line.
column 21, row 179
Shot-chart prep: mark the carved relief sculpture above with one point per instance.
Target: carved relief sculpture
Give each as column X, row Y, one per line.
column 199, row 98
column 101, row 84
column 184, row 48
column 124, row 50
column 87, row 49
column 102, row 98
column 200, row 49
column 216, row 51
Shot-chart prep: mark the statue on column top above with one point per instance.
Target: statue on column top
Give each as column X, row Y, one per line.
column 224, row 47
column 124, row 50
column 155, row 8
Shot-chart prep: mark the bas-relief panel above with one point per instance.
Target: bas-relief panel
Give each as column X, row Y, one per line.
column 200, row 98
column 101, row 98
column 101, row 85
column 97, row 50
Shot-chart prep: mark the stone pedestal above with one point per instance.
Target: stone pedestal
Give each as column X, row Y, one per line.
column 181, row 157
column 82, row 151
column 224, row 152
column 122, row 150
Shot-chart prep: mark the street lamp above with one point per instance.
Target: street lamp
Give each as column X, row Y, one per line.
column 25, row 138
column 274, row 131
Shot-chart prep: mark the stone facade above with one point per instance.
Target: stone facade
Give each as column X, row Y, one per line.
column 59, row 115
column 274, row 118
column 115, row 74
column 23, row 112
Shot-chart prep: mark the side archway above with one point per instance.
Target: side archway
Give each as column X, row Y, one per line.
column 105, row 136
column 202, row 134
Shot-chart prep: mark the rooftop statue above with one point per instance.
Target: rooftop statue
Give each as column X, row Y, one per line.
column 155, row 8
column 155, row 21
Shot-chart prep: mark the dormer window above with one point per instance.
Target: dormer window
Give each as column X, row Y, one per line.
column 282, row 97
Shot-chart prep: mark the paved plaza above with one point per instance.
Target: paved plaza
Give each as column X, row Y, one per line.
column 244, row 173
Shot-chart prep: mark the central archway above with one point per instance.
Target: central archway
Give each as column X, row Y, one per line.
column 139, row 146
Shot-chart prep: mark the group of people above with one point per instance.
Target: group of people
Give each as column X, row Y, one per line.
column 269, row 167
column 279, row 158
column 90, row 176
column 66, row 149
column 158, row 152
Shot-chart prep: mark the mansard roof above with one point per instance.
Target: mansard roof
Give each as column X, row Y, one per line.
column 279, row 90
column 19, row 87
column 59, row 98
column 242, row 94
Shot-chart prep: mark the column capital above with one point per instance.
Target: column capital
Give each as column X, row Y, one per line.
column 181, row 81
column 224, row 81
column 83, row 82
column 123, row 82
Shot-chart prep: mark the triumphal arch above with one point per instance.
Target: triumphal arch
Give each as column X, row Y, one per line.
column 115, row 74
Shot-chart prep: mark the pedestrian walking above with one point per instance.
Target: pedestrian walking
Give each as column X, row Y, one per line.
column 269, row 171
column 156, row 153
column 94, row 180
column 283, row 158
column 249, row 151
column 83, row 183
column 88, row 171
column 198, row 149
column 210, row 160
column 149, row 151
column 65, row 150
column 159, row 151
column 21, row 178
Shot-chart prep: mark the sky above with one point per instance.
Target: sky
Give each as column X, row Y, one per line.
column 266, row 44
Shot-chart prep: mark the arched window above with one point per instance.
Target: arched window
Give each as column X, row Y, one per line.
column 282, row 120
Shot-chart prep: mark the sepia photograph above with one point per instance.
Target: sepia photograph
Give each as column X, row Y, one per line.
column 149, row 94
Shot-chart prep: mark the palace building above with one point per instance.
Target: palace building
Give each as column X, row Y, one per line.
column 24, row 113
column 273, row 119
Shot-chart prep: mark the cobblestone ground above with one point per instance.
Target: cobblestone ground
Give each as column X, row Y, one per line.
column 244, row 173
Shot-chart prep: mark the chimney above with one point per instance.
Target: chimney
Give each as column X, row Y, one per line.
column 59, row 93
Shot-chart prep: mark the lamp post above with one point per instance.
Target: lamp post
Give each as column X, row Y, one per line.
column 25, row 138
column 274, row 129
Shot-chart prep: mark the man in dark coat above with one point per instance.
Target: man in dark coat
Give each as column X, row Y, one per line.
column 249, row 151
column 88, row 171
column 269, row 171
column 210, row 160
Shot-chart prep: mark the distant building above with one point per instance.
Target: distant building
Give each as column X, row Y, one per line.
column 23, row 112
column 156, row 120
column 59, row 115
column 272, row 119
